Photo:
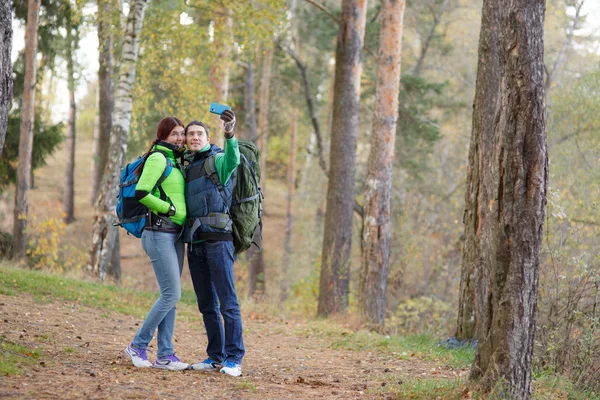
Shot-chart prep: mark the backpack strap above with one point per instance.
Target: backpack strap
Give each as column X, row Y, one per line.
column 211, row 173
column 163, row 176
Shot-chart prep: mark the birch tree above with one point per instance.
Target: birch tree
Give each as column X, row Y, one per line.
column 26, row 131
column 104, row 233
column 6, row 80
column 337, row 240
column 515, row 180
column 376, row 238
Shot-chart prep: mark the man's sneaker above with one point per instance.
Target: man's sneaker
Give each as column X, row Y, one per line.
column 231, row 368
column 138, row 357
column 207, row 365
column 170, row 362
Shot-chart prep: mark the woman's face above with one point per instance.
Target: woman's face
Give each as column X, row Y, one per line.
column 176, row 137
column 196, row 138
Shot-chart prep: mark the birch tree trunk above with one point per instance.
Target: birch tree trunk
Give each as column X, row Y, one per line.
column 478, row 170
column 6, row 80
column 69, row 189
column 516, row 189
column 105, row 97
column 337, row 240
column 26, row 132
column 219, row 71
column 263, row 114
column 377, row 233
column 104, row 233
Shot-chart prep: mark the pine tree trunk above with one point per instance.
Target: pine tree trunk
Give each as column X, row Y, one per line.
column 337, row 241
column 476, row 200
column 219, row 71
column 105, row 98
column 69, row 189
column 104, row 233
column 6, row 80
column 376, row 238
column 256, row 266
column 26, row 132
column 263, row 114
column 516, row 188
column 291, row 186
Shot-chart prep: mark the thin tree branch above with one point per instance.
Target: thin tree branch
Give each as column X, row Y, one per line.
column 315, row 122
column 310, row 105
column 436, row 20
column 324, row 9
column 561, row 58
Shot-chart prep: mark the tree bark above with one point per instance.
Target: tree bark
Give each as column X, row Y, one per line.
column 256, row 266
column 219, row 71
column 105, row 97
column 6, row 80
column 26, row 132
column 376, row 238
column 516, row 188
column 104, row 233
column 263, row 114
column 289, row 209
column 69, row 189
column 476, row 200
column 337, row 241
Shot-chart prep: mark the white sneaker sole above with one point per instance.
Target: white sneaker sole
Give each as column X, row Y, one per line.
column 138, row 362
column 204, row 367
column 172, row 366
column 231, row 372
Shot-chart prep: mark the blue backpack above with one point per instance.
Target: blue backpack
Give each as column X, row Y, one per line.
column 132, row 214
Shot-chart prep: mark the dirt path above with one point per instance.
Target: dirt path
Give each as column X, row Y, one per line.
column 82, row 358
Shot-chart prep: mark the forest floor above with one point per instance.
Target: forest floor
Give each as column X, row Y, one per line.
column 69, row 344
column 74, row 351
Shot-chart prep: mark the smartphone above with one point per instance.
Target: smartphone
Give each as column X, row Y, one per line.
column 217, row 108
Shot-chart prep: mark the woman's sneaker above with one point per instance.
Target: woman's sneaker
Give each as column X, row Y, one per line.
column 231, row 368
column 207, row 365
column 171, row 363
column 138, row 357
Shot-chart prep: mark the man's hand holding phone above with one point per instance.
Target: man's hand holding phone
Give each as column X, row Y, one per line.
column 228, row 118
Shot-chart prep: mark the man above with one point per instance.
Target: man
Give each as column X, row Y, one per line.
column 210, row 250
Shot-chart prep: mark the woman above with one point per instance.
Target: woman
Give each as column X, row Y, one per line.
column 162, row 243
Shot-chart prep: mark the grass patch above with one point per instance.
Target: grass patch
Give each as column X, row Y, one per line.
column 245, row 385
column 46, row 287
column 13, row 357
column 421, row 346
column 551, row 386
column 424, row 389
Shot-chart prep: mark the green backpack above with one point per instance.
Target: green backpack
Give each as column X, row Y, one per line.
column 246, row 203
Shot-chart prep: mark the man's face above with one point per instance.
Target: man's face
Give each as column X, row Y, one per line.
column 196, row 138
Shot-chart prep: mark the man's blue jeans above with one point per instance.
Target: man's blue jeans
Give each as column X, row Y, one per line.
column 211, row 268
column 166, row 254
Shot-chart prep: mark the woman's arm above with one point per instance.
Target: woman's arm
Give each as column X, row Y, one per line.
column 153, row 169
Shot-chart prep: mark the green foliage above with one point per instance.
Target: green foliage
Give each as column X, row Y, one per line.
column 175, row 71
column 46, row 138
column 417, row 131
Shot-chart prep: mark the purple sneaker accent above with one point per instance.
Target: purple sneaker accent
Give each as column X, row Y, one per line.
column 138, row 357
column 170, row 362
